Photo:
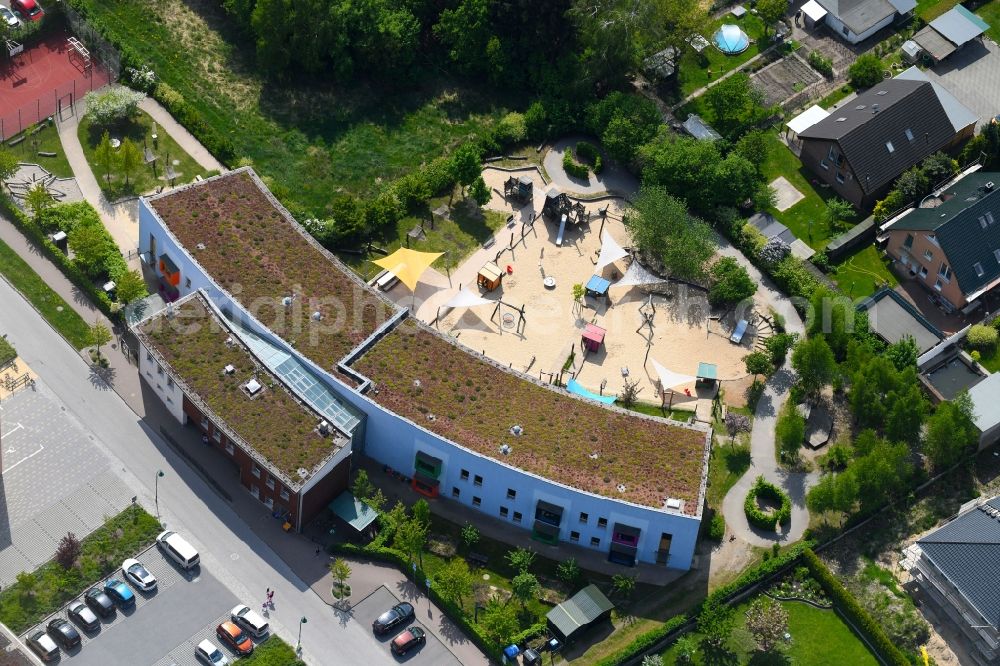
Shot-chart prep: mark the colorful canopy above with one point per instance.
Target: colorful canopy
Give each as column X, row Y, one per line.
column 611, row 251
column 408, row 265
column 598, row 285
column 670, row 379
column 466, row 298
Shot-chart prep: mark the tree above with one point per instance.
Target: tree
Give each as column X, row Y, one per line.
column 91, row 247
column 568, row 571
column 499, row 622
column 470, row 535
column 716, row 621
column 982, row 337
column 27, row 583
column 454, row 581
column 362, row 487
column 735, row 424
column 112, row 105
column 685, row 166
column 834, row 492
column 729, row 282
column 129, row 157
column 521, row 559
column 68, row 551
column 615, row 34
column 883, row 472
column 951, row 432
column 837, row 211
column 866, row 71
column 130, row 286
column 735, row 103
column 754, row 147
column 465, row 32
column 623, row 584
column 629, row 394
column 106, row 157
column 686, row 648
column 8, row 165
column 903, row 354
column 938, row 167
column 480, row 191
column 771, row 11
column 758, row 363
column 767, row 622
column 465, row 164
column 814, row 363
column 410, row 537
column 653, row 660
column 525, row 587
column 341, row 571
column 99, row 335
column 777, row 346
column 422, row 512
column 661, row 225
column 907, row 410
column 38, row 200
column 913, row 184
column 790, row 432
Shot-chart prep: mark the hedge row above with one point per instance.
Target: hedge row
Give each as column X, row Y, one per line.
column 768, row 520
column 587, row 152
column 572, row 168
column 56, row 256
column 855, row 613
column 747, row 579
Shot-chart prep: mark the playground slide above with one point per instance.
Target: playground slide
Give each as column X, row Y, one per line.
column 562, row 230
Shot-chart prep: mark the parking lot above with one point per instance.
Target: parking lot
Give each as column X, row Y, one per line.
column 433, row 653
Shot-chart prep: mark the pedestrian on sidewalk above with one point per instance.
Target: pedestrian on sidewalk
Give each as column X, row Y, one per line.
column 270, row 597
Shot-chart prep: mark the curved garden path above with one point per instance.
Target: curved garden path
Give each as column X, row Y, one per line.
column 613, row 179
column 762, row 453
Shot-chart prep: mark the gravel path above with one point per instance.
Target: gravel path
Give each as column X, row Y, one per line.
column 613, row 179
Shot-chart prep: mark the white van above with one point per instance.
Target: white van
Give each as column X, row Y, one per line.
column 177, row 549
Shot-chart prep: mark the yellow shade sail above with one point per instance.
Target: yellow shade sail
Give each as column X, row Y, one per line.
column 408, row 265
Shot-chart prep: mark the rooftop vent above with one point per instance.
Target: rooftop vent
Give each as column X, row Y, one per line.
column 229, row 341
column 874, row 109
column 302, row 472
column 317, row 315
column 200, row 246
column 882, row 92
column 621, row 487
column 505, row 449
column 673, row 503
column 253, row 387
column 324, row 428
column 287, row 301
column 989, row 186
column 432, row 418
column 859, row 107
column 229, row 369
column 517, row 430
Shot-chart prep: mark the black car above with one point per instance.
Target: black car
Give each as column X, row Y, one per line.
column 408, row 640
column 99, row 602
column 392, row 618
column 64, row 633
column 83, row 616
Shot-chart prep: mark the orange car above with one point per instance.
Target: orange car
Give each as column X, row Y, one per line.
column 235, row 638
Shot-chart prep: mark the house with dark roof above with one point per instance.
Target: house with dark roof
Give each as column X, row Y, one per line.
column 860, row 149
column 950, row 242
column 856, row 20
column 956, row 567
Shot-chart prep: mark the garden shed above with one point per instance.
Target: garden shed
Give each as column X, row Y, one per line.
column 593, row 337
column 578, row 613
column 489, row 276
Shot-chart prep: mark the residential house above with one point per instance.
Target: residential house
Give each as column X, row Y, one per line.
column 861, row 148
column 856, row 20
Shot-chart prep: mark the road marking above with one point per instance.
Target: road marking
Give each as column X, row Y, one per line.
column 11, row 432
column 40, row 449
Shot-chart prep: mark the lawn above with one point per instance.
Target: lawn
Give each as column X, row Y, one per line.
column 314, row 139
column 693, row 69
column 273, row 652
column 988, row 359
column 51, row 586
column 145, row 179
column 990, row 12
column 45, row 140
column 819, row 638
column 834, row 97
column 806, row 219
column 863, row 272
column 726, row 466
column 650, row 409
column 928, row 10
column 55, row 310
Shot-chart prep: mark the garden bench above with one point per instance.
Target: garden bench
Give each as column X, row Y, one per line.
column 477, row 559
column 46, row 153
column 14, row 142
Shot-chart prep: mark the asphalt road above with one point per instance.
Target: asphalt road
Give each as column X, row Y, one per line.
column 230, row 550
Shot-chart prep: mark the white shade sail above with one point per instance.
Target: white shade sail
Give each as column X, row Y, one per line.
column 466, row 298
column 670, row 379
column 636, row 276
column 611, row 251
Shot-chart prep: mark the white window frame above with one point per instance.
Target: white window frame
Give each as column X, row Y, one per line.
column 255, row 469
column 923, row 271
column 890, row 147
column 284, row 493
column 822, row 163
column 928, row 255
column 269, row 502
column 937, row 285
column 978, row 267
column 269, row 482
column 255, row 492
column 230, row 448
column 840, row 177
column 909, row 134
column 982, row 221
column 217, row 436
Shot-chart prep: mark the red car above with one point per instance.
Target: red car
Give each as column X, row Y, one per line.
column 234, row 637
column 29, row 9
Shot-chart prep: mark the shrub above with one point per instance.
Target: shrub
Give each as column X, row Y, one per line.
column 778, row 345
column 853, row 610
column 768, row 520
column 730, row 282
column 792, row 277
column 193, row 121
column 773, row 252
column 587, row 152
column 272, row 652
column 821, row 63
column 68, row 551
column 574, row 169
column 717, row 527
column 112, row 105
column 866, row 71
column 982, row 337
column 512, row 128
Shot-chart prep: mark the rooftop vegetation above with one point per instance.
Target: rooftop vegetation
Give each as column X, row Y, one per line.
column 260, row 256
column 419, row 374
column 274, row 423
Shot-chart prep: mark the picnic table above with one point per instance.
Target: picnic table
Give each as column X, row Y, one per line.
column 477, row 559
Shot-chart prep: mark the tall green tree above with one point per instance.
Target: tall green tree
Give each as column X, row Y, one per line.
column 341, row 571
column 91, row 247
column 771, row 11
column 466, row 165
column 716, row 621
column 951, row 431
column 904, row 353
column 767, row 622
column 38, row 200
column 454, row 581
column 729, row 282
column 465, row 32
column 8, row 165
column 106, row 156
column 790, row 432
column 525, row 587
column 660, row 224
column 499, row 622
column 130, row 286
column 735, row 103
column 410, row 538
column 814, row 363
column 865, row 71
column 100, row 335
column 907, row 411
column 422, row 512
column 616, row 33
column 758, row 363
column 129, row 157
column 882, row 474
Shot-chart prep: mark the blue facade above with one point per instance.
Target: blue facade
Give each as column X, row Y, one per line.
column 550, row 510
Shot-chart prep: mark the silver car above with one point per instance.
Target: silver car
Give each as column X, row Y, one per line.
column 210, row 655
column 9, row 17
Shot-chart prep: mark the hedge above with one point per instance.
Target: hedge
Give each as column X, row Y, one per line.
column 587, row 152
column 768, row 520
column 858, row 616
column 723, row 594
column 574, row 169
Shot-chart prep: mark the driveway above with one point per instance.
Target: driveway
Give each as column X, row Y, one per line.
column 972, row 75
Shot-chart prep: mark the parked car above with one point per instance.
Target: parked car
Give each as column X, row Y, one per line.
column 83, row 616
column 29, row 9
column 65, row 633
column 408, row 640
column 234, row 637
column 43, row 645
column 178, row 549
column 392, row 618
column 250, row 620
column 9, row 17
column 120, row 592
column 207, row 653
column 99, row 602
column 138, row 575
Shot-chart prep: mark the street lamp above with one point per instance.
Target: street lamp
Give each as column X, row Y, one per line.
column 156, row 487
column 298, row 646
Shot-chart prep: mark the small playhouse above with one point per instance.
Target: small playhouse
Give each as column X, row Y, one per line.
column 519, row 188
column 489, row 276
column 593, row 337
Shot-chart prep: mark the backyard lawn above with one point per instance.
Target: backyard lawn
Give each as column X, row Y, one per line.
column 990, row 12
column 693, row 68
column 145, row 179
column 990, row 359
column 863, row 272
column 46, row 140
column 819, row 638
column 928, row 10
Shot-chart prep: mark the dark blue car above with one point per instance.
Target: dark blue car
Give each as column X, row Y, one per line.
column 120, row 592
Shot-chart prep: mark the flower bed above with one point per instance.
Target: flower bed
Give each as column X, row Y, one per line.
column 768, row 520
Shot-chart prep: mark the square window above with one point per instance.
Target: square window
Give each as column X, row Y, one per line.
column 823, row 164
column 269, row 503
column 890, row 147
column 517, row 516
column 455, row 492
column 583, row 518
column 574, row 537
column 149, row 357
column 832, row 154
column 923, row 271
column 978, row 267
column 909, row 134
column 170, row 382
column 465, row 475
column 989, row 218
column 270, row 482
column 284, row 494
column 159, row 369
column 477, row 501
column 511, row 493
column 217, row 436
column 477, row 480
column 255, row 491
column 230, row 449
column 602, row 522
column 504, row 511
column 595, row 542
column 255, row 470
column 840, row 177
column 937, row 285
column 908, row 243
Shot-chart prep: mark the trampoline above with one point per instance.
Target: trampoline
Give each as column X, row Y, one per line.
column 730, row 39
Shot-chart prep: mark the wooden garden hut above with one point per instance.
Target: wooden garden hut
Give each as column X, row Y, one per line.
column 593, row 337
column 489, row 276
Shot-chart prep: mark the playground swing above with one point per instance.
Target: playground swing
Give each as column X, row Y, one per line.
column 507, row 318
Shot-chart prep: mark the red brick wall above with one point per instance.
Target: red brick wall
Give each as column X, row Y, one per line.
column 326, row 490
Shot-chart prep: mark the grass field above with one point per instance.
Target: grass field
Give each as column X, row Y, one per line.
column 928, row 10
column 863, row 272
column 47, row 142
column 144, row 179
column 55, row 310
column 693, row 68
column 819, row 638
column 990, row 360
column 727, row 465
column 314, row 140
column 990, row 12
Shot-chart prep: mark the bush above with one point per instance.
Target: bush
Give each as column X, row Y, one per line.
column 272, row 652
column 193, row 121
column 778, row 345
column 774, row 251
column 792, row 277
column 730, row 282
column 112, row 105
column 853, row 610
column 768, row 520
column 717, row 527
column 866, row 71
column 588, row 153
column 982, row 337
column 821, row 63
column 574, row 169
column 7, row 352
column 512, row 128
